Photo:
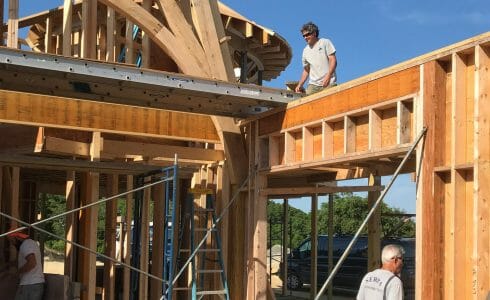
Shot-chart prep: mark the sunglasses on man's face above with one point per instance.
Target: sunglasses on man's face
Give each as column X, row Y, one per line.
column 306, row 34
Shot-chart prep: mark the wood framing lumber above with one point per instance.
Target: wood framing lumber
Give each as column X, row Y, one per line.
column 481, row 215
column 112, row 188
column 121, row 149
column 67, row 26
column 59, row 112
column 321, row 190
column 13, row 24
column 429, row 266
column 70, row 225
column 374, row 226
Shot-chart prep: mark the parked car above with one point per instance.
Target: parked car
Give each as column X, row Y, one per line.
column 354, row 267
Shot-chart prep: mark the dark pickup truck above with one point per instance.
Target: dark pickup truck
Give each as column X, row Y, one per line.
column 350, row 274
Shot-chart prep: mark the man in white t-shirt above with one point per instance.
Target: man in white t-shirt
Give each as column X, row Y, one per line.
column 319, row 61
column 384, row 283
column 29, row 267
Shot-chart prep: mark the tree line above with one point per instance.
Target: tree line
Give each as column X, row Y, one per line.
column 349, row 212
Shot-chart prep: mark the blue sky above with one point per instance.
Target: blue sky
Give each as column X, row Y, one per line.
column 369, row 35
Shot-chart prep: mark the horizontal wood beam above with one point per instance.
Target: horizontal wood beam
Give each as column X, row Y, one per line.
column 318, row 190
column 61, row 112
column 121, row 149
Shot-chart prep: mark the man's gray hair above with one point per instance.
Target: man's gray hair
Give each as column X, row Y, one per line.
column 391, row 251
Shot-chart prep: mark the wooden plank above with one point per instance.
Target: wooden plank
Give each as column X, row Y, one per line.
column 145, row 242
column 361, row 133
column 146, row 42
column 127, row 236
column 403, row 132
column 111, row 33
column 70, row 225
column 307, row 144
column 388, row 127
column 67, row 26
column 349, row 135
column 13, row 24
column 89, row 29
column 158, row 196
column 327, row 145
column 314, row 246
column 59, row 112
column 374, row 226
column 112, row 188
column 374, row 129
column 48, row 40
column 260, row 229
column 481, row 209
column 317, row 190
column 274, row 150
column 289, row 147
column 429, row 267
column 317, row 133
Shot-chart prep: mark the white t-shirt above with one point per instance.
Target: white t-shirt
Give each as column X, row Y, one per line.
column 316, row 58
column 380, row 284
column 35, row 275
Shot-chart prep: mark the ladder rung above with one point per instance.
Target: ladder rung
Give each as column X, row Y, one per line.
column 209, row 271
column 181, row 289
column 219, row 292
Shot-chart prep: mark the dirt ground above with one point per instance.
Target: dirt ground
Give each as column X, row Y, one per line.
column 57, row 267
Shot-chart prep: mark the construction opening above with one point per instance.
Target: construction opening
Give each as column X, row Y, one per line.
column 146, row 168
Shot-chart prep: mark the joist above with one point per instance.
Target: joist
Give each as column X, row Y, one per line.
column 321, row 190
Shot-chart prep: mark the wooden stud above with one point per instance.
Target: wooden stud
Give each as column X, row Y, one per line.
column 158, row 196
column 48, row 39
column 13, row 24
column 89, row 29
column 70, row 225
column 314, row 246
column 110, row 237
column 374, row 226
column 145, row 242
column 403, row 133
column 127, row 236
column 429, row 210
column 67, row 27
column 110, row 35
column 481, row 209
column 146, row 42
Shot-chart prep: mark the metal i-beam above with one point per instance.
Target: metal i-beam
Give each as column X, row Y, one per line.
column 50, row 74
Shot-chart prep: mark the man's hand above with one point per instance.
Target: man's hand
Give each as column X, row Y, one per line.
column 299, row 89
column 326, row 81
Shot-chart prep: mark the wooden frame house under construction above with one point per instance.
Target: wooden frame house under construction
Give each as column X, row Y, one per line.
column 110, row 90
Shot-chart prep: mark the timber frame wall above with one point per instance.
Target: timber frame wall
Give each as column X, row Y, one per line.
column 358, row 129
column 365, row 124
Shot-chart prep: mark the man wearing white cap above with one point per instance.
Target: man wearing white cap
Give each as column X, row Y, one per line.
column 29, row 267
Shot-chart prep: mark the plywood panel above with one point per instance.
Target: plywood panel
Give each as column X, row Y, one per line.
column 327, row 140
column 362, row 133
column 298, row 145
column 338, row 138
column 389, row 87
column 317, row 142
column 388, row 127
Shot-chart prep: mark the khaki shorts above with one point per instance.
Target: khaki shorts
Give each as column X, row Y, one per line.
column 311, row 88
